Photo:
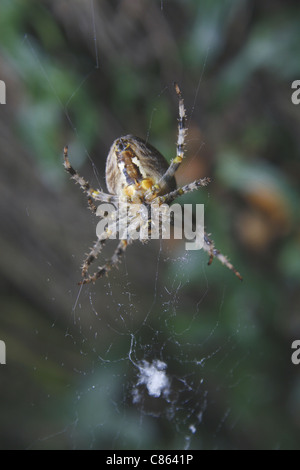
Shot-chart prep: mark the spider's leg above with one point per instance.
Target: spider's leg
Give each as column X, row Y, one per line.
column 115, row 259
column 182, row 129
column 93, row 254
column 91, row 193
column 209, row 247
column 168, row 198
column 110, row 231
column 92, row 205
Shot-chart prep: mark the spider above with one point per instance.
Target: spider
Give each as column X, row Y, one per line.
column 137, row 173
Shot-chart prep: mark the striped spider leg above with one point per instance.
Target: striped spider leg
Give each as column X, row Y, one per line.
column 103, row 270
column 209, row 247
column 175, row 163
column 97, row 196
column 92, row 194
column 170, row 197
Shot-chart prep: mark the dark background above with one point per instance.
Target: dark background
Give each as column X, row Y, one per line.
column 82, row 74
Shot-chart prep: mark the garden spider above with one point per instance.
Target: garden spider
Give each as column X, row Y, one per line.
column 136, row 173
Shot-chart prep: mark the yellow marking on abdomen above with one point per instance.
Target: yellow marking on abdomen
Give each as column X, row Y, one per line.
column 129, row 190
column 147, row 183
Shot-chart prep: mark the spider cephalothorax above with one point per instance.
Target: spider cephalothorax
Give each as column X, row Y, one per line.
column 139, row 176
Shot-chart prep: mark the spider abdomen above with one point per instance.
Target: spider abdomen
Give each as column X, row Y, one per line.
column 133, row 166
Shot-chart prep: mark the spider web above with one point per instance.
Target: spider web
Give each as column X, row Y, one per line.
column 155, row 365
column 151, row 371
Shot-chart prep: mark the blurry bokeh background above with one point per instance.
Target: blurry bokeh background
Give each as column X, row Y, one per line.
column 82, row 74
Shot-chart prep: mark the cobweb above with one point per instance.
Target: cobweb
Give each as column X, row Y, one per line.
column 152, row 370
column 157, row 366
